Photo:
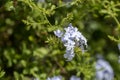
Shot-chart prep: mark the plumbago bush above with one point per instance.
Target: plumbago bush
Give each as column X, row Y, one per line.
column 59, row 40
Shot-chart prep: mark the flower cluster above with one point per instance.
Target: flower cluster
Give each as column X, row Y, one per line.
column 103, row 70
column 71, row 38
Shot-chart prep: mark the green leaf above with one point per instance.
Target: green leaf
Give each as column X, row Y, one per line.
column 2, row 73
column 113, row 38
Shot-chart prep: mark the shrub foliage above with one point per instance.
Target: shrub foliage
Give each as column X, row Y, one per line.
column 29, row 48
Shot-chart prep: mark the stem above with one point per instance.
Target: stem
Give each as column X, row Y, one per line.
column 44, row 14
column 47, row 19
column 116, row 21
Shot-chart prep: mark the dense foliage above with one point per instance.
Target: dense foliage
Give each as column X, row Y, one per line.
column 29, row 48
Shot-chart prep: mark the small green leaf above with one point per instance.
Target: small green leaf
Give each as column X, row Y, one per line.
column 2, row 73
column 113, row 38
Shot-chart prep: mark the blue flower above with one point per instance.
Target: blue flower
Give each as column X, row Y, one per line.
column 58, row 33
column 69, row 44
column 103, row 70
column 69, row 54
column 55, row 78
column 71, row 38
column 74, row 78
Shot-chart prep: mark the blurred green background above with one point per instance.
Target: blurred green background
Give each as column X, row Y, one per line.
column 29, row 48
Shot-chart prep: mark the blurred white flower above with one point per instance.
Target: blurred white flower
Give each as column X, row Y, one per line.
column 119, row 59
column 103, row 70
column 55, row 78
column 36, row 78
column 74, row 78
column 119, row 46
